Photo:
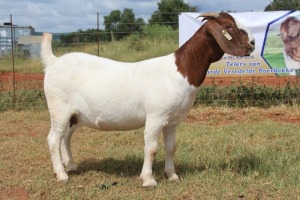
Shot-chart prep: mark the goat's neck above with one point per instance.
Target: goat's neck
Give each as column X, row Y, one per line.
column 195, row 56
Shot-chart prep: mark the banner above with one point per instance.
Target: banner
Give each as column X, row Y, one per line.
column 277, row 44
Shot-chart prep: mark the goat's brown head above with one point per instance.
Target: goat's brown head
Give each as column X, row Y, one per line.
column 232, row 37
column 290, row 35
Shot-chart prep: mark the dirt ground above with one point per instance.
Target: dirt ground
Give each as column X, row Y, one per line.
column 17, row 193
column 224, row 116
column 272, row 81
column 21, row 80
column 36, row 80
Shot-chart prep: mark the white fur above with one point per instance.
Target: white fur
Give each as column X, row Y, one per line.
column 243, row 27
column 290, row 63
column 110, row 95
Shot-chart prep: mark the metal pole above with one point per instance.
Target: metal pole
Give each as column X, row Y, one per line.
column 13, row 62
column 252, row 91
column 98, row 32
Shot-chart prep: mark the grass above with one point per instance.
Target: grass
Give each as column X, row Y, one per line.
column 274, row 43
column 28, row 66
column 224, row 153
column 131, row 49
column 276, row 60
column 24, row 98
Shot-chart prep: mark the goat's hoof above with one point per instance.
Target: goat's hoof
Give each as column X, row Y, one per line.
column 62, row 178
column 72, row 167
column 149, row 182
column 173, row 178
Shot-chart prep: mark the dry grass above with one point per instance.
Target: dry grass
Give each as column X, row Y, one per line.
column 222, row 153
column 128, row 50
column 21, row 65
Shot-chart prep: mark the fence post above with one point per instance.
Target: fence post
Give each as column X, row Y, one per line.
column 13, row 62
column 98, row 32
column 252, row 92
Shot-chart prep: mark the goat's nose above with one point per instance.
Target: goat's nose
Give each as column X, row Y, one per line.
column 252, row 42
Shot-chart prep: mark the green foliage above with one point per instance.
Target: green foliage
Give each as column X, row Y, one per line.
column 168, row 10
column 277, row 62
column 150, row 36
column 25, row 99
column 112, row 21
column 122, row 24
column 244, row 95
column 88, row 36
column 160, row 32
column 283, row 5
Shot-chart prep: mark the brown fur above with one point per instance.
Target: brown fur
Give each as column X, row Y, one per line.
column 289, row 31
column 208, row 45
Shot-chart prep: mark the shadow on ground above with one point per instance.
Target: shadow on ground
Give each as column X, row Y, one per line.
column 132, row 166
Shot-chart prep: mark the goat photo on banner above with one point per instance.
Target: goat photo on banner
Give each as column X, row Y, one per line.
column 282, row 50
column 277, row 51
column 290, row 35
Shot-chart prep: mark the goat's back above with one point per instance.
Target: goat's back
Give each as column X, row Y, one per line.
column 115, row 95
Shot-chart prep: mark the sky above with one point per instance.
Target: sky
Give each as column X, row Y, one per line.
column 71, row 15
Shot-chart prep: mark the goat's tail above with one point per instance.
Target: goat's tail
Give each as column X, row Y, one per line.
column 47, row 55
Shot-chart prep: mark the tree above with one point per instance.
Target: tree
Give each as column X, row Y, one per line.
column 122, row 24
column 112, row 21
column 167, row 13
column 283, row 5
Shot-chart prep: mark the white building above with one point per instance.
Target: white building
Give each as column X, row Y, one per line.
column 19, row 39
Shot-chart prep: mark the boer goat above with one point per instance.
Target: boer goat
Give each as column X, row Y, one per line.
column 290, row 35
column 86, row 90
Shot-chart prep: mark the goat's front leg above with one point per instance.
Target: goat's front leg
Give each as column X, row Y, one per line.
column 169, row 133
column 152, row 131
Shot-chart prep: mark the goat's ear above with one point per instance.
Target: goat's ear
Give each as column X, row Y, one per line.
column 293, row 30
column 229, row 40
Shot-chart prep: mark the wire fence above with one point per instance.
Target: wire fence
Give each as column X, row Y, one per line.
column 21, row 79
column 22, row 88
column 283, row 91
column 26, row 92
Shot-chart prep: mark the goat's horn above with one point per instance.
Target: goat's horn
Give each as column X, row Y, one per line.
column 209, row 15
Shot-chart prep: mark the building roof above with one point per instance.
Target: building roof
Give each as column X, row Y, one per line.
column 30, row 39
column 7, row 25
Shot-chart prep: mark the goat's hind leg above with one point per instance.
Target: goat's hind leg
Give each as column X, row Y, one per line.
column 54, row 142
column 66, row 153
column 59, row 141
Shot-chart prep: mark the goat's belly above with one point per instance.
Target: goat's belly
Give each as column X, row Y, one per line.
column 113, row 124
column 120, row 125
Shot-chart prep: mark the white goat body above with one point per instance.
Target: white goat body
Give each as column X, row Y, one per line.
column 111, row 95
column 85, row 90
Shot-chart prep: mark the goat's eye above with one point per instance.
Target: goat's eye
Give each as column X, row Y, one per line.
column 228, row 26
